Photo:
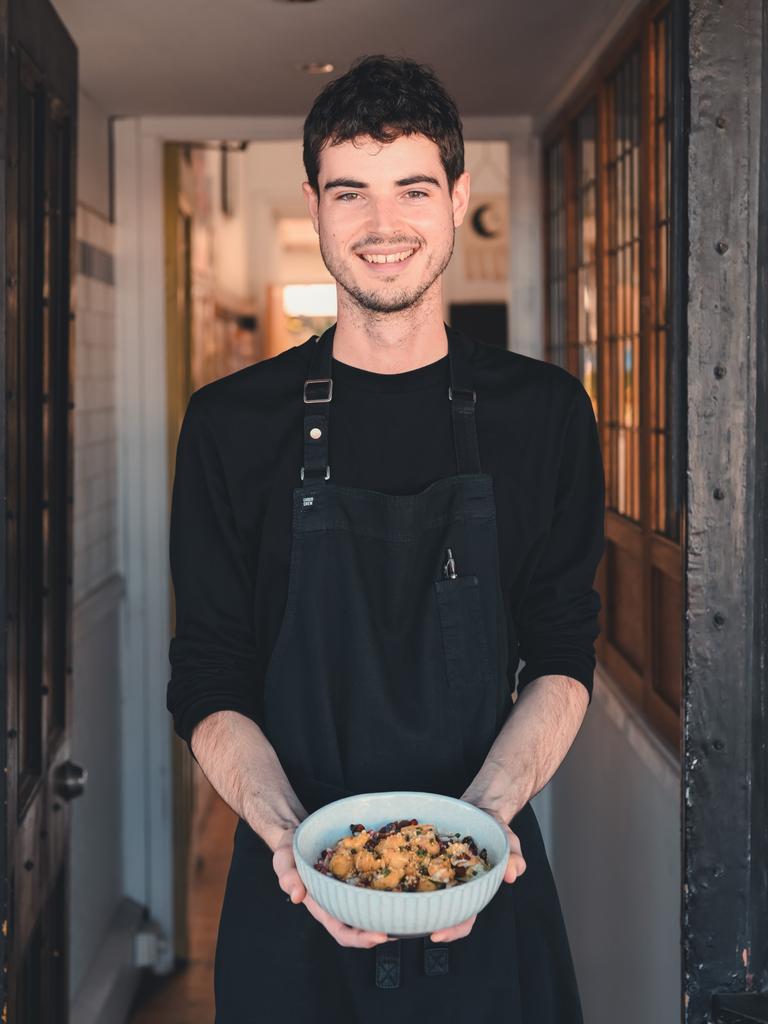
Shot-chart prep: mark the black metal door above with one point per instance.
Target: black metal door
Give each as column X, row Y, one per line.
column 39, row 132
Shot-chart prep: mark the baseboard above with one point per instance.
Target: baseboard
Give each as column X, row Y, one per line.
column 106, row 992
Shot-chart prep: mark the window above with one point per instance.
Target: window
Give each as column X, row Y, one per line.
column 585, row 202
column 610, row 235
column 556, row 306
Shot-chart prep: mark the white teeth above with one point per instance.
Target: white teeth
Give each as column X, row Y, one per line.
column 395, row 257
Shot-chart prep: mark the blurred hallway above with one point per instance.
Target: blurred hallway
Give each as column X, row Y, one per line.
column 187, row 997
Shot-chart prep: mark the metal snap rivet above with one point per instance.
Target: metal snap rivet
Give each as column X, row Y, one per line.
column 315, row 433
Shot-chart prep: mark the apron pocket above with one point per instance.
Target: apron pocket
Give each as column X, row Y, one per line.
column 467, row 661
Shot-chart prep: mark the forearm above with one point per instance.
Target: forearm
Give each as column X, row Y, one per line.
column 243, row 767
column 531, row 745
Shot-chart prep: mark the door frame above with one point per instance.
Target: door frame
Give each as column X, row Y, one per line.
column 144, row 465
column 725, row 766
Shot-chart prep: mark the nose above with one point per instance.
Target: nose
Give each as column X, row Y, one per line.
column 383, row 216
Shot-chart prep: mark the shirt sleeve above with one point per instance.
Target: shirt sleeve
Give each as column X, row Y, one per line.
column 213, row 652
column 558, row 617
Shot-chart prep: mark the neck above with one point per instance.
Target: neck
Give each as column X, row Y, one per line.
column 390, row 342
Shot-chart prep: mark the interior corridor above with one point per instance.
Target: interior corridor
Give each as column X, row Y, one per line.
column 186, row 997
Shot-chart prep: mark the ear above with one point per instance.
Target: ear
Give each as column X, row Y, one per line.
column 460, row 197
column 313, row 202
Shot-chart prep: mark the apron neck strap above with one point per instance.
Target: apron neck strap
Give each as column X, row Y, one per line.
column 463, row 399
column 318, row 394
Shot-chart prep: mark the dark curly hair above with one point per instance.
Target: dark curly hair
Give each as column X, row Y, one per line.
column 384, row 97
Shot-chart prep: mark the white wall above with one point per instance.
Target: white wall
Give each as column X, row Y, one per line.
column 96, row 883
column 93, row 178
column 617, row 862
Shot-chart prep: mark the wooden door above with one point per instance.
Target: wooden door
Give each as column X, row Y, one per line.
column 39, row 136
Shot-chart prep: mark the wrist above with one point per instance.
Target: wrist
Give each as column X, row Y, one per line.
column 275, row 835
column 269, row 821
column 497, row 790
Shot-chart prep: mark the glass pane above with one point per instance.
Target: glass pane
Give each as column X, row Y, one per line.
column 556, row 254
column 623, row 294
column 586, row 268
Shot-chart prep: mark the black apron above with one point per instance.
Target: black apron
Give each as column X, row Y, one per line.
column 392, row 669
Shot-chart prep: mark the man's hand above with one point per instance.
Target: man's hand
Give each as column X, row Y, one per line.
column 290, row 882
column 515, row 868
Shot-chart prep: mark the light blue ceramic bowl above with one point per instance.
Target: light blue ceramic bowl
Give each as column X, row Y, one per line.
column 402, row 914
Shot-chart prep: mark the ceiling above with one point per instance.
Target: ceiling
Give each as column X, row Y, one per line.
column 239, row 57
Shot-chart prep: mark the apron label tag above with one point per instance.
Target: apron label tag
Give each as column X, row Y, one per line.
column 308, row 502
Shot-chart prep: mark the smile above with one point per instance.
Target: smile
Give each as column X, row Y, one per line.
column 391, row 257
column 388, row 262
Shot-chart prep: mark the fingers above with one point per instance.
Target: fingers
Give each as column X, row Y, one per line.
column 515, row 862
column 458, row 931
column 287, row 875
column 344, row 934
column 290, row 882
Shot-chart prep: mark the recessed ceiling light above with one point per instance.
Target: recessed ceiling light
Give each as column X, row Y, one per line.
column 316, row 68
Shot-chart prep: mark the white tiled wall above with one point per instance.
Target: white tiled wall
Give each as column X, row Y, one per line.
column 95, row 511
column 96, row 883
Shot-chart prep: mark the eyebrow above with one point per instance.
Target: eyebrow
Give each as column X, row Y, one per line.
column 415, row 179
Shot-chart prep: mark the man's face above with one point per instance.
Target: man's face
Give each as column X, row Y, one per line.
column 386, row 218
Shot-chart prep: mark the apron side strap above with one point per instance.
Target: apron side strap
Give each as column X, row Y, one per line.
column 436, row 957
column 388, row 964
column 318, row 394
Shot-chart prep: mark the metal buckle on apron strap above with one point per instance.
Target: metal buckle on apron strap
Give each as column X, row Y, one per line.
column 327, row 472
column 465, row 393
column 319, row 380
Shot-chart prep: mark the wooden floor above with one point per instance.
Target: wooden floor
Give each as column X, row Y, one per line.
column 187, row 997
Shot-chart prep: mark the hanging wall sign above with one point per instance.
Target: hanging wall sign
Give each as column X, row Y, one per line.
column 486, row 241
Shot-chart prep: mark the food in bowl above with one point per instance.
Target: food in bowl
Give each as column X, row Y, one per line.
column 403, row 856
column 399, row 913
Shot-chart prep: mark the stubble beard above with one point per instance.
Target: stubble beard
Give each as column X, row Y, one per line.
column 384, row 301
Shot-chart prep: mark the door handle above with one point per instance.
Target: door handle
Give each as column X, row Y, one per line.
column 70, row 780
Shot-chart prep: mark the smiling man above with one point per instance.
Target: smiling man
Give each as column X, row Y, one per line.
column 367, row 532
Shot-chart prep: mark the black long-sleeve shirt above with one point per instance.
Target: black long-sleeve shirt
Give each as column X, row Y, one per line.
column 238, row 458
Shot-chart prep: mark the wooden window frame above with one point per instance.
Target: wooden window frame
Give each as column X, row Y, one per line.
column 660, row 557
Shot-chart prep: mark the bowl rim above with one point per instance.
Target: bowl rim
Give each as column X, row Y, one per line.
column 499, row 867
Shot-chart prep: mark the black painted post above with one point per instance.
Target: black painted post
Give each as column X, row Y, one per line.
column 725, row 845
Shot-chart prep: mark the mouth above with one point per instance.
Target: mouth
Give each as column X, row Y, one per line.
column 387, row 262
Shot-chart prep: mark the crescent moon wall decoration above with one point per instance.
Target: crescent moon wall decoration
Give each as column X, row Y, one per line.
column 486, row 242
column 485, row 221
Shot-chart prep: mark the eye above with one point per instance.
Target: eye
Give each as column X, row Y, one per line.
column 416, row 193
column 346, row 196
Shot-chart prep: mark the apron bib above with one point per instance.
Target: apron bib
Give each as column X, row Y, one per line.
column 390, row 671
